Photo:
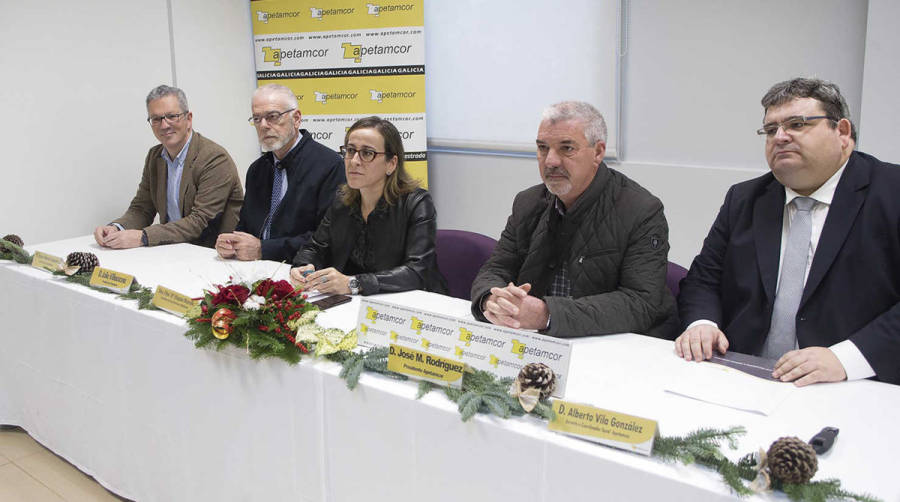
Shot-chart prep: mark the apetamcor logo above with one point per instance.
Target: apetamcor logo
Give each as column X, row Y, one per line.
column 380, row 96
column 374, row 315
column 324, row 97
column 470, row 338
column 263, row 16
column 520, row 349
column 317, row 13
column 418, row 326
column 276, row 55
column 375, row 9
column 356, row 52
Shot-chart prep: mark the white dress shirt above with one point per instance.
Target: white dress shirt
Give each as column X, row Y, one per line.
column 855, row 364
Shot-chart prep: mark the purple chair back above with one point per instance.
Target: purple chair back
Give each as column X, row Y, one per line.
column 674, row 274
column 460, row 255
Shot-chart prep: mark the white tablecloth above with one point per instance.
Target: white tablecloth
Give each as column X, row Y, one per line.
column 123, row 395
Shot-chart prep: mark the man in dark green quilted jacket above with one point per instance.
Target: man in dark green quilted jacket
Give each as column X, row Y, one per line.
column 584, row 253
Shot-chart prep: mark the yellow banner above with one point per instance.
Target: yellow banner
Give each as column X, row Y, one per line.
column 172, row 301
column 425, row 366
column 603, row 426
column 358, row 96
column 46, row 261
column 116, row 281
column 287, row 16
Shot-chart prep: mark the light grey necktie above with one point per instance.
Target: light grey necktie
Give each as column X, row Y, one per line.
column 783, row 331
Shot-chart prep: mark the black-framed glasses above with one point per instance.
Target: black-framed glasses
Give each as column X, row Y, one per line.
column 271, row 117
column 790, row 124
column 367, row 155
column 172, row 118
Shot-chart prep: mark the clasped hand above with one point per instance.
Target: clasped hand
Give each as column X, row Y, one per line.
column 110, row 236
column 239, row 245
column 327, row 280
column 513, row 307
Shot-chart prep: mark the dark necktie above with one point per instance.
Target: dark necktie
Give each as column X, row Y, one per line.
column 276, row 197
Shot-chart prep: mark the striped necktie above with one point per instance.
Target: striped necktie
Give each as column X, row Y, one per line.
column 277, row 175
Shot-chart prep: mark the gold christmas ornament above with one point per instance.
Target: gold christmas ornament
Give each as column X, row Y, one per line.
column 221, row 323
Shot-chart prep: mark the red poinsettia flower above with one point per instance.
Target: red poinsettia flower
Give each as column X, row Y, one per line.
column 275, row 290
column 234, row 294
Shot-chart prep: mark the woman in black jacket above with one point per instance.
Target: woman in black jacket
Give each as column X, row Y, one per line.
column 378, row 235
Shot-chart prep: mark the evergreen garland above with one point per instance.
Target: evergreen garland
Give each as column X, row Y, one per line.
column 703, row 447
column 821, row 491
column 136, row 291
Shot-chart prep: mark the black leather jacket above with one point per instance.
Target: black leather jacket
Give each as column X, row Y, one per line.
column 399, row 252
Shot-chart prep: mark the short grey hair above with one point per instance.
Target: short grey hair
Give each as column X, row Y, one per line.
column 823, row 91
column 162, row 91
column 285, row 92
column 594, row 125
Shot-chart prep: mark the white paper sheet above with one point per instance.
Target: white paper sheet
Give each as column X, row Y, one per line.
column 729, row 387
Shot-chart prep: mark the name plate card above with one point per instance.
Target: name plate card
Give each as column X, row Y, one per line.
column 425, row 366
column 46, row 261
column 110, row 279
column 495, row 349
column 172, row 301
column 618, row 430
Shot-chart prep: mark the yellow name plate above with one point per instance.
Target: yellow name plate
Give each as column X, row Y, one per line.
column 603, row 426
column 46, row 261
column 110, row 279
column 425, row 366
column 172, row 301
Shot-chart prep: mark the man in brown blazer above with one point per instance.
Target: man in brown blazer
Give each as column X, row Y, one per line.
column 188, row 180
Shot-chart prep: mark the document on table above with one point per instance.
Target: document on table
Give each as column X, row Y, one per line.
column 725, row 386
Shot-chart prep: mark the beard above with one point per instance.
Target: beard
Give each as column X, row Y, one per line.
column 557, row 186
column 273, row 144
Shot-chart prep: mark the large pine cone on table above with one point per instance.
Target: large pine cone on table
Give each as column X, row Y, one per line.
column 538, row 376
column 792, row 460
column 86, row 261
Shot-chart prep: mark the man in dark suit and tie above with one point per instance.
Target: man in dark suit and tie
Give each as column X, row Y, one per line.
column 802, row 264
column 289, row 187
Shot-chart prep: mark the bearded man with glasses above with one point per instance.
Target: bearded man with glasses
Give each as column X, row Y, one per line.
column 802, row 265
column 289, row 187
column 190, row 182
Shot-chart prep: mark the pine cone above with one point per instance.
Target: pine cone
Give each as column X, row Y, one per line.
column 15, row 239
column 538, row 376
column 86, row 262
column 792, row 460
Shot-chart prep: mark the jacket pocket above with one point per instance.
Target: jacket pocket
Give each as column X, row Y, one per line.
column 596, row 254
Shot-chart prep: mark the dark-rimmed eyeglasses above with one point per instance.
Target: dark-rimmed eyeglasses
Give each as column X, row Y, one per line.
column 270, row 118
column 367, row 155
column 791, row 124
column 172, row 118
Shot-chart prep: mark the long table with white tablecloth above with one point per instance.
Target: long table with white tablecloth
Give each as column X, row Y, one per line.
column 124, row 396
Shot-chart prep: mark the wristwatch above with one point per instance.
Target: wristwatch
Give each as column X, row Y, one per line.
column 353, row 285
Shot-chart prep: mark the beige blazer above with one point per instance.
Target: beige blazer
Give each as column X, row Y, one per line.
column 210, row 196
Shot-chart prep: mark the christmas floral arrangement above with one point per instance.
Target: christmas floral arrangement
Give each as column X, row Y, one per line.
column 262, row 317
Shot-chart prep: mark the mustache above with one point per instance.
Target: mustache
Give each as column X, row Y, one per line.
column 555, row 171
